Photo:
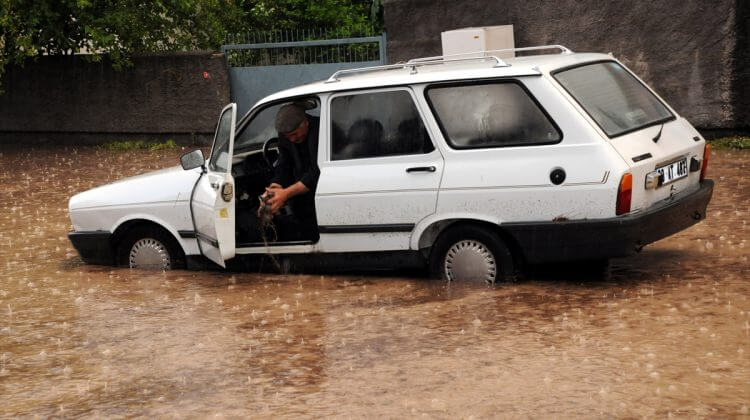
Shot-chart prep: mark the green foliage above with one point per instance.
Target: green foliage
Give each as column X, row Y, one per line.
column 294, row 14
column 120, row 28
column 130, row 145
column 733, row 142
column 168, row 145
column 116, row 27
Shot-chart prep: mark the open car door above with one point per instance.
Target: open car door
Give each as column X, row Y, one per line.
column 213, row 198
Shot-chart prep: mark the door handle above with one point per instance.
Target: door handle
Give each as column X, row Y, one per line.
column 215, row 185
column 421, row 169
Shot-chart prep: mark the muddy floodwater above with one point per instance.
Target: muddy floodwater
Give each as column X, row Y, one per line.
column 665, row 332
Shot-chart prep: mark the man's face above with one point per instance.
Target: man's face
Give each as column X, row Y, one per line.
column 299, row 134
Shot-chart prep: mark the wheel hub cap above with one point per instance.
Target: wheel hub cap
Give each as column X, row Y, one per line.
column 470, row 260
column 150, row 254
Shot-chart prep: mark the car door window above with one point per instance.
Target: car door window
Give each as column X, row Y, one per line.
column 259, row 130
column 220, row 152
column 261, row 127
column 376, row 124
column 491, row 114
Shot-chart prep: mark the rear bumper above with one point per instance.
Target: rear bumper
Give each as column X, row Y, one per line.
column 614, row 237
column 93, row 247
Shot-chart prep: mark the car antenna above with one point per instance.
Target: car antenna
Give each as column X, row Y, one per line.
column 658, row 135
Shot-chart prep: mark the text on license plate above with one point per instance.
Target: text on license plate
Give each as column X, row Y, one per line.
column 673, row 171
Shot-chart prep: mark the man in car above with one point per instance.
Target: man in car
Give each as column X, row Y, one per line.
column 296, row 175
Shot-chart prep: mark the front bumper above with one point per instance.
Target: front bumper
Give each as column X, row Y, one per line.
column 614, row 237
column 93, row 247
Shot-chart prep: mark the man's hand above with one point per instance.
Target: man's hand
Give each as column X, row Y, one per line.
column 265, row 197
column 278, row 195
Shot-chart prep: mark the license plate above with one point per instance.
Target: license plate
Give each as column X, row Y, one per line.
column 673, row 171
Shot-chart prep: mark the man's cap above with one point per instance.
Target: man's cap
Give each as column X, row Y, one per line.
column 289, row 118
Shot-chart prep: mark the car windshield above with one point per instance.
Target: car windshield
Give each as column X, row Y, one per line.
column 615, row 99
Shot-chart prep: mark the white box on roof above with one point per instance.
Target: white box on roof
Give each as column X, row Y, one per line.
column 467, row 40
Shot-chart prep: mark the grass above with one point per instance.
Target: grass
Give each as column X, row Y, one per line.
column 128, row 145
column 733, row 142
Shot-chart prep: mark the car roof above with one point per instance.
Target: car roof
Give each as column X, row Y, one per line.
column 406, row 74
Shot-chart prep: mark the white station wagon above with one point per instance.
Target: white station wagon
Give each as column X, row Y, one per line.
column 471, row 164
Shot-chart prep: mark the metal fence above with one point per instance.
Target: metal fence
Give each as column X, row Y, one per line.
column 262, row 63
column 304, row 46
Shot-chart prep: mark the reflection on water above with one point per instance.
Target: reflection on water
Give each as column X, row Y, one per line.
column 664, row 332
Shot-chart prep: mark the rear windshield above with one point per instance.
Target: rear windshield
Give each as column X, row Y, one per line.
column 615, row 99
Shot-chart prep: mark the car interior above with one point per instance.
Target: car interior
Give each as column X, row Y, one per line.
column 253, row 165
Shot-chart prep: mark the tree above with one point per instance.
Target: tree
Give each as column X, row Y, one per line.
column 119, row 28
column 113, row 28
column 292, row 14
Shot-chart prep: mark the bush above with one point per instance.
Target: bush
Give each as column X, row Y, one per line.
column 129, row 145
column 733, row 142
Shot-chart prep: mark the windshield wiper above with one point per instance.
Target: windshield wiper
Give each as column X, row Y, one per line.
column 658, row 135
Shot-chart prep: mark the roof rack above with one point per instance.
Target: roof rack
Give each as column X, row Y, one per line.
column 335, row 76
column 411, row 64
column 563, row 50
column 456, row 57
column 451, row 58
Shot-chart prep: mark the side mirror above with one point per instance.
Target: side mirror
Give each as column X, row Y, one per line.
column 192, row 160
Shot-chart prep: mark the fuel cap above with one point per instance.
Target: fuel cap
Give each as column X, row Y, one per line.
column 557, row 176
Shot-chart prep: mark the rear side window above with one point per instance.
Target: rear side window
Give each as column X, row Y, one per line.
column 493, row 114
column 377, row 124
column 615, row 99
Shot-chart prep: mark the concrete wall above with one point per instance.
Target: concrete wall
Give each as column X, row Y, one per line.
column 693, row 52
column 70, row 100
column 740, row 97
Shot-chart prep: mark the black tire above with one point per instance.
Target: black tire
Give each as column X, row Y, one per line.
column 477, row 244
column 157, row 240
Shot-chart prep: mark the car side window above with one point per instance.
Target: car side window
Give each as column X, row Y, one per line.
column 260, row 129
column 377, row 124
column 493, row 114
column 220, row 152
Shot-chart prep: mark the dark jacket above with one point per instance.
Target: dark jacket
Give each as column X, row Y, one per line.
column 299, row 162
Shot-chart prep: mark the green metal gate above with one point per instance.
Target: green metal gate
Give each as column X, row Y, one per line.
column 266, row 62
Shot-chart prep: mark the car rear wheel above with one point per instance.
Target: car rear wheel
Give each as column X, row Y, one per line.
column 471, row 254
column 149, row 248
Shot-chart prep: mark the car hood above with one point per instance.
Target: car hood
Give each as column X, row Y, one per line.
column 170, row 184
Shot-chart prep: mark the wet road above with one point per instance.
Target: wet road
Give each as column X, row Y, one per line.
column 664, row 332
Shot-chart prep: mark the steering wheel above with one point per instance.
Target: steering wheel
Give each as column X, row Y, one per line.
column 271, row 143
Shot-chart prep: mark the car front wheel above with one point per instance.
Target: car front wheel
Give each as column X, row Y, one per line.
column 150, row 249
column 471, row 254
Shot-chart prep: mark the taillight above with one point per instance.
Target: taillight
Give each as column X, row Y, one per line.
column 624, row 194
column 706, row 152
